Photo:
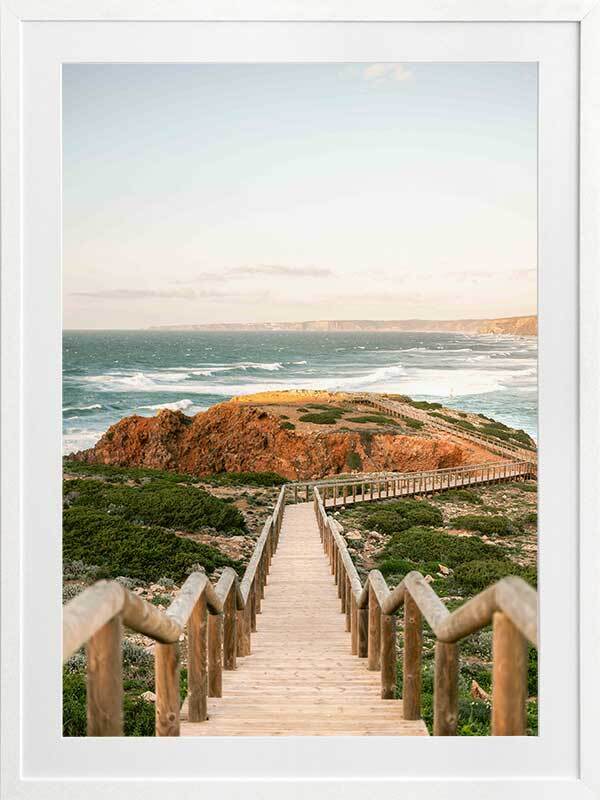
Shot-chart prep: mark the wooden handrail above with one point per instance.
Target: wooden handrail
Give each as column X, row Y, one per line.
column 510, row 605
column 219, row 620
column 390, row 406
column 406, row 484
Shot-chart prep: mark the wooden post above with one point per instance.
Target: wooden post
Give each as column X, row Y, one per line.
column 374, row 631
column 445, row 692
column 388, row 656
column 348, row 604
column 197, row 655
column 509, row 678
column 229, row 631
column 252, row 601
column 166, row 677
column 362, row 615
column 353, row 625
column 354, row 493
column 215, row 655
column 243, row 630
column 105, row 680
column 413, row 648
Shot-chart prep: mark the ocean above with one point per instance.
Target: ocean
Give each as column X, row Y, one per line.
column 108, row 375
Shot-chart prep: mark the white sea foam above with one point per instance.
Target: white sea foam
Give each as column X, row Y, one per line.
column 179, row 405
column 82, row 408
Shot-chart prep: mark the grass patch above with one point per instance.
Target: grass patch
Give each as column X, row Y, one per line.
column 119, row 548
column 422, row 404
column 428, row 548
column 490, row 525
column 459, row 496
column 404, row 514
column 527, row 487
column 377, row 419
column 475, row 576
column 321, row 417
column 415, row 424
column 261, row 479
column 353, row 460
column 156, row 503
column 124, row 474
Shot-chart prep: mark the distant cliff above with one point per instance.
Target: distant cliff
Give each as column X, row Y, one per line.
column 520, row 326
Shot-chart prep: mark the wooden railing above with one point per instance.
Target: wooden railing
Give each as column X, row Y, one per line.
column 410, row 484
column 219, row 621
column 390, row 407
column 510, row 605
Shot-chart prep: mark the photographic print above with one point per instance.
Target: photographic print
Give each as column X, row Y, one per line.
column 300, row 399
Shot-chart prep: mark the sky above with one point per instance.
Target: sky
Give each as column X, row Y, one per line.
column 285, row 192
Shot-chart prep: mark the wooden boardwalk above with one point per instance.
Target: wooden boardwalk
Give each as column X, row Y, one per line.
column 301, row 679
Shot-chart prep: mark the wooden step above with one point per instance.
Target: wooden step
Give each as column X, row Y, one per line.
column 301, row 679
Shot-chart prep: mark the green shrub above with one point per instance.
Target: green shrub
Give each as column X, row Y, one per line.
column 530, row 518
column 491, row 526
column 324, row 407
column 527, row 487
column 413, row 423
column 395, row 566
column 74, row 704
column 321, row 418
column 264, row 479
column 287, row 426
column 403, row 514
column 376, row 419
column 121, row 547
column 474, row 576
column 459, row 496
column 423, row 404
column 353, row 460
column 426, row 546
column 157, row 503
column 122, row 474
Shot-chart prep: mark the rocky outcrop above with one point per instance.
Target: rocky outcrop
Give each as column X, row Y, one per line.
column 231, row 437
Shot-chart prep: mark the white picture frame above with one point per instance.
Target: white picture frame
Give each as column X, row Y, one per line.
column 36, row 37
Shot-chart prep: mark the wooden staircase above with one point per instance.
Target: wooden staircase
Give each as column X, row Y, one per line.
column 301, row 679
column 301, row 645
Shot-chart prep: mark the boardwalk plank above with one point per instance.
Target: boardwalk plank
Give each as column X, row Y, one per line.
column 300, row 679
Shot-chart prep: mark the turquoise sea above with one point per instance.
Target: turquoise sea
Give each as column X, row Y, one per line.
column 111, row 374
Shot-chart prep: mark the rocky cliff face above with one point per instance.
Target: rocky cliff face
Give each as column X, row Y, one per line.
column 236, row 438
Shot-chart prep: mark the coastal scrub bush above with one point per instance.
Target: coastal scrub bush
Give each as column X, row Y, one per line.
column 123, row 474
column 459, row 496
column 404, row 514
column 423, row 404
column 157, row 503
column 321, row 417
column 377, row 419
column 474, row 576
column 529, row 518
column 527, row 487
column 425, row 546
column 287, row 426
column 261, row 479
column 491, row 526
column 122, row 547
column 416, row 424
column 353, row 460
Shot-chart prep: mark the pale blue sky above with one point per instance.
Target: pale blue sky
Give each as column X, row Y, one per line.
column 258, row 192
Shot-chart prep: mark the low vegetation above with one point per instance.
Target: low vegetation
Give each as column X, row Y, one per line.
column 458, row 566
column 146, row 553
column 375, row 419
column 247, row 478
column 490, row 525
column 403, row 514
